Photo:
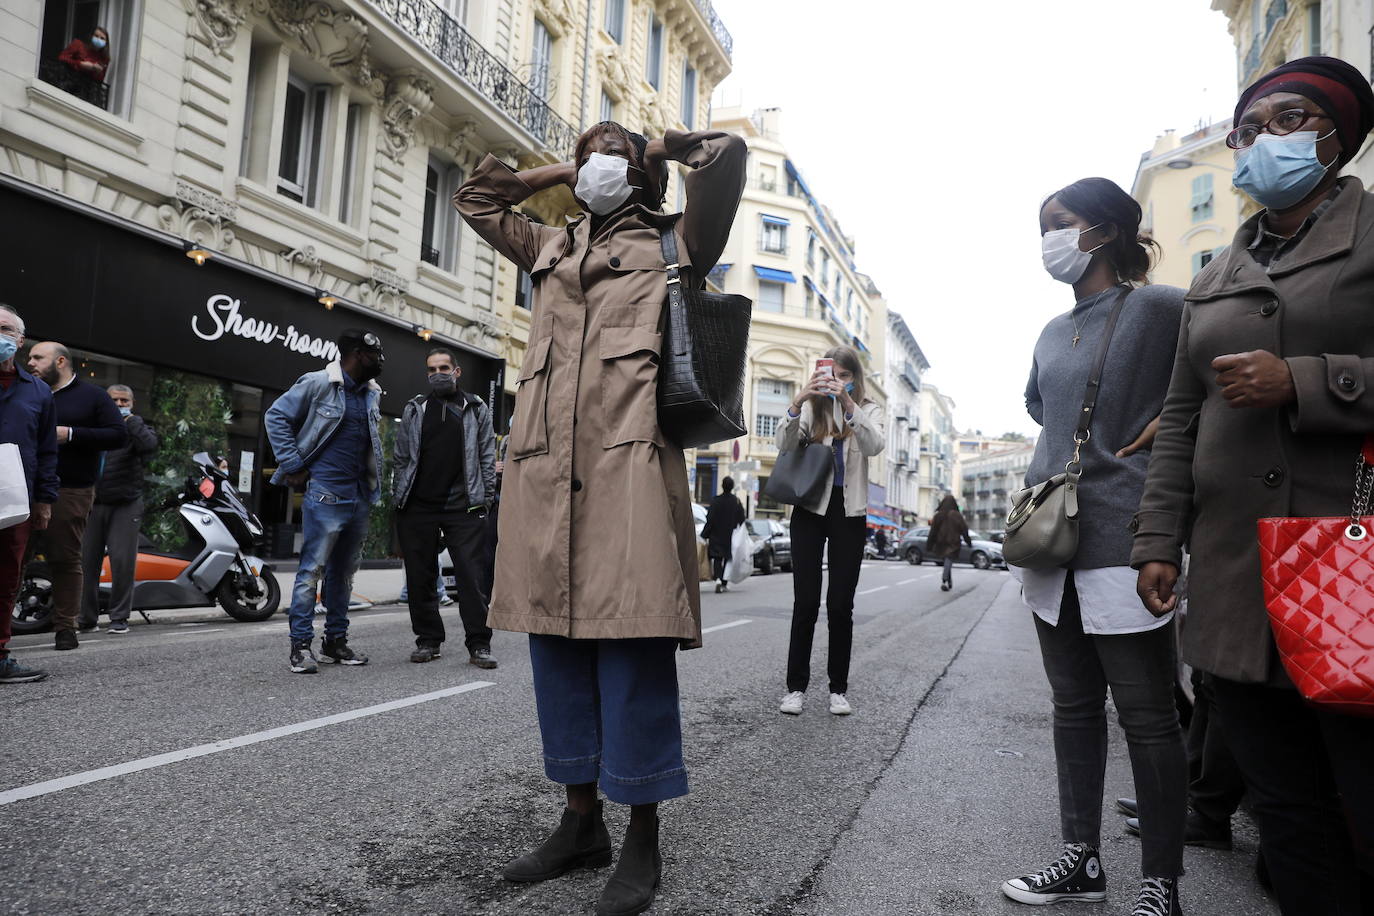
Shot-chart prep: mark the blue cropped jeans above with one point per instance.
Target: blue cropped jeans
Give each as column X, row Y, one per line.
column 609, row 713
column 333, row 529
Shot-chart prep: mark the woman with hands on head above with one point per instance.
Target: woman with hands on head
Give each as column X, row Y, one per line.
column 1093, row 634
column 832, row 410
column 597, row 556
column 1271, row 396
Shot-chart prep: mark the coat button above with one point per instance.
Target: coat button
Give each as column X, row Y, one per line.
column 576, row 485
column 1269, row 308
column 1273, row 477
column 615, row 262
column 553, row 260
column 1346, row 382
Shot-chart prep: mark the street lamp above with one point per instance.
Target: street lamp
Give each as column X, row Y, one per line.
column 196, row 253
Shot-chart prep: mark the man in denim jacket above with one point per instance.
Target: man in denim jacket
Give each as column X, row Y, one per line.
column 324, row 434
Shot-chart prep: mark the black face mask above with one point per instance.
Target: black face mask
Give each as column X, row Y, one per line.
column 443, row 384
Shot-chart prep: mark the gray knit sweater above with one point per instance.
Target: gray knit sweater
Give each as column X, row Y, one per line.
column 1134, row 382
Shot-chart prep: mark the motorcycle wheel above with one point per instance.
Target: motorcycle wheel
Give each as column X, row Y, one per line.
column 240, row 606
column 32, row 611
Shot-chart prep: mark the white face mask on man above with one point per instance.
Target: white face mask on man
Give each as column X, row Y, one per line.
column 1064, row 260
column 603, row 183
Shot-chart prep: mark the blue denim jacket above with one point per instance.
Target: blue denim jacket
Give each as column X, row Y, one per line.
column 301, row 421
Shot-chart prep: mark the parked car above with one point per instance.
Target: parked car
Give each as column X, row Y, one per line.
column 984, row 554
column 772, row 545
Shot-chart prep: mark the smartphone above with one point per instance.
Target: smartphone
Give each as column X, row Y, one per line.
column 826, row 365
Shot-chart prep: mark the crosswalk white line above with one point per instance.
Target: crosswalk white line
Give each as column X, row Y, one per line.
column 869, row 591
column 909, row 581
column 202, row 750
column 725, row 626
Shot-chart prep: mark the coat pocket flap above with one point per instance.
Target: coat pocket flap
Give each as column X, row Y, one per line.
column 641, row 249
column 536, row 358
column 617, row 342
column 551, row 253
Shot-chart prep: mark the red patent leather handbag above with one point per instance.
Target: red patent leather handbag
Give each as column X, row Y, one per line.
column 1319, row 589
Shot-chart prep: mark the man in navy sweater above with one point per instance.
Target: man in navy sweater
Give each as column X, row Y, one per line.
column 88, row 424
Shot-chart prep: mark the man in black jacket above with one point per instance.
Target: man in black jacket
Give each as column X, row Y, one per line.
column 88, row 424
column 115, row 519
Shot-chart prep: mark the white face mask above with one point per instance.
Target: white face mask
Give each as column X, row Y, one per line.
column 1062, row 256
column 603, row 183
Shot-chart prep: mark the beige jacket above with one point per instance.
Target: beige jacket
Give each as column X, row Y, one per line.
column 596, row 533
column 869, row 437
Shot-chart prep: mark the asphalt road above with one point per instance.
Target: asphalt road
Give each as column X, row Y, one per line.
column 236, row 787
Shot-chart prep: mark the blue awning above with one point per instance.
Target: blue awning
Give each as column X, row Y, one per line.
column 776, row 220
column 860, row 344
column 721, row 268
column 777, row 276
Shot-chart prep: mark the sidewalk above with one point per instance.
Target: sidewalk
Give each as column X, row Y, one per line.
column 370, row 587
column 971, row 799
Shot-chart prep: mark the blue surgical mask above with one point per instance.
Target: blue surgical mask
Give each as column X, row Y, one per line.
column 98, row 43
column 7, row 348
column 126, row 411
column 1278, row 172
column 849, row 387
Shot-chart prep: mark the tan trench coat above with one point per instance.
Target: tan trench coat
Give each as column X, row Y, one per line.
column 1215, row 469
column 596, row 537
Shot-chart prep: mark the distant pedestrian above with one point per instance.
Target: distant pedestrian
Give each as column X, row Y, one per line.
column 324, row 434
column 598, row 553
column 833, row 411
column 880, row 542
column 1093, row 633
column 947, row 530
column 722, row 518
column 29, row 420
column 1268, row 409
column 116, row 518
column 445, row 480
column 88, row 425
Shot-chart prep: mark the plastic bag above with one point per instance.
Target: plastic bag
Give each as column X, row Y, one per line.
column 741, row 563
column 14, row 487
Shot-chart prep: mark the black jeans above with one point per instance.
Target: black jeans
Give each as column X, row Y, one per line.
column 1215, row 784
column 1140, row 669
column 1299, row 766
column 810, row 535
column 464, row 534
column 718, row 568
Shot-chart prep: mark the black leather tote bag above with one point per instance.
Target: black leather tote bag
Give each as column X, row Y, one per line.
column 802, row 475
column 701, row 374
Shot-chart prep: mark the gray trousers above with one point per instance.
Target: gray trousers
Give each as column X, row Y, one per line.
column 113, row 528
column 1140, row 669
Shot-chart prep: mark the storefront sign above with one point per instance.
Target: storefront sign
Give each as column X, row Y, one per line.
column 225, row 319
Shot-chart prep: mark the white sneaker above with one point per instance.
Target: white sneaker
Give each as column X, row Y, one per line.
column 839, row 706
column 792, row 703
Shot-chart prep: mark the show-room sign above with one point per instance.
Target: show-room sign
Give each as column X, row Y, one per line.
column 226, row 317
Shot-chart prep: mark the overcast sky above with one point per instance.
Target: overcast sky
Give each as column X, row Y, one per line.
column 934, row 130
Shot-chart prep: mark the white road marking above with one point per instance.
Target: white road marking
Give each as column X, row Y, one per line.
column 196, row 632
column 909, row 581
column 869, row 591
column 201, row 750
column 725, row 626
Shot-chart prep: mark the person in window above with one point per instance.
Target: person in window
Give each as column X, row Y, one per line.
column 947, row 529
column 1271, row 398
column 597, row 558
column 725, row 515
column 1093, row 634
column 834, row 411
column 88, row 59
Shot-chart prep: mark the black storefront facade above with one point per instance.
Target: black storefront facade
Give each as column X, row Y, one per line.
column 206, row 348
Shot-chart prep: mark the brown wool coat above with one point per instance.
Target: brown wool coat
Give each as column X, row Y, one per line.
column 1215, row 469
column 596, row 537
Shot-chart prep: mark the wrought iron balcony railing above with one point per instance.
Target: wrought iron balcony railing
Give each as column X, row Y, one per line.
column 1252, row 58
column 429, row 255
column 717, row 27
column 56, row 73
column 1277, row 10
column 434, row 28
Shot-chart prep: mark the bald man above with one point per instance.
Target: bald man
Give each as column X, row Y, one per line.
column 88, row 424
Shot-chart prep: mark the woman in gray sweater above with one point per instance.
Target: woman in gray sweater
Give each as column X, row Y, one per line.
column 1093, row 633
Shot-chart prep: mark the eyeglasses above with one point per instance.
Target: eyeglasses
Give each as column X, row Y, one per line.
column 1280, row 125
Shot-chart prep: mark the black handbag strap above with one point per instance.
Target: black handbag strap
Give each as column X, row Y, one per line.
column 1085, row 416
column 676, row 300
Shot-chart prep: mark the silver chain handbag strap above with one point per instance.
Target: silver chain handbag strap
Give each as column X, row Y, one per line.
column 1364, row 488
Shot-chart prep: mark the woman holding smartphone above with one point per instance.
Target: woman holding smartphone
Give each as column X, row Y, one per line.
column 832, row 410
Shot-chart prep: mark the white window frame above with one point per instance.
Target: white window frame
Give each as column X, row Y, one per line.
column 607, row 106
column 122, row 19
column 352, row 155
column 304, row 185
column 689, row 95
column 613, row 23
column 772, row 237
column 445, row 232
column 653, row 52
column 772, row 296
column 771, row 399
column 541, row 59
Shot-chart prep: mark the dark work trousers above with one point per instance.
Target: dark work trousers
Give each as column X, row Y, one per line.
column 114, row 528
column 14, row 541
column 1300, row 765
column 65, row 533
column 842, row 539
column 1215, row 786
column 1140, row 669
column 718, row 568
column 463, row 533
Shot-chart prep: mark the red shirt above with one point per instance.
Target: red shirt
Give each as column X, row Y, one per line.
column 74, row 54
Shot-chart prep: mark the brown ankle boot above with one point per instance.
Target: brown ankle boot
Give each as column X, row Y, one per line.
column 635, row 880
column 581, row 841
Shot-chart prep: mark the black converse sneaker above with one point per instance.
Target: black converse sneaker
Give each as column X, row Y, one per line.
column 1158, row 897
column 1076, row 875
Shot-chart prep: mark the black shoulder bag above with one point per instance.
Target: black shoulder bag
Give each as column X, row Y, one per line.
column 701, row 374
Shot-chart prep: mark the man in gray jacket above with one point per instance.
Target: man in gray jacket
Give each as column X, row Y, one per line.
column 445, row 482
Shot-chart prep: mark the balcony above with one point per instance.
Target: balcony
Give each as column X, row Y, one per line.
column 442, row 36
column 901, row 457
column 56, row 73
column 718, row 29
column 1252, row 57
column 1274, row 15
column 910, row 376
column 901, row 411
